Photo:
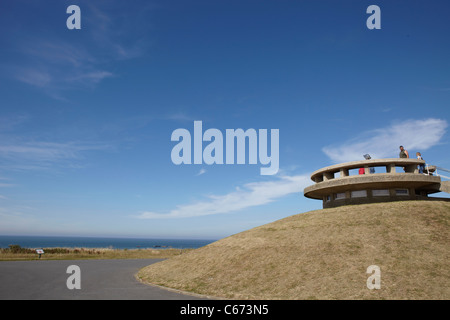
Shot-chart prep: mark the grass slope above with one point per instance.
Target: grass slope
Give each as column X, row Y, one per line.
column 323, row 254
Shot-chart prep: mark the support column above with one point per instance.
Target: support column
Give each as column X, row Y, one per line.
column 392, row 193
column 412, row 194
column 343, row 173
column 390, row 168
column 328, row 176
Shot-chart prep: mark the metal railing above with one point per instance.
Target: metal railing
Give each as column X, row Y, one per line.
column 441, row 169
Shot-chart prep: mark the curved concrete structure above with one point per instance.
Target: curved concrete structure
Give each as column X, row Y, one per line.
column 445, row 186
column 393, row 180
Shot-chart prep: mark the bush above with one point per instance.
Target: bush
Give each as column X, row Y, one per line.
column 15, row 248
column 56, row 250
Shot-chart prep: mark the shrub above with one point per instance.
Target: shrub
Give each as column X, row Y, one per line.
column 15, row 248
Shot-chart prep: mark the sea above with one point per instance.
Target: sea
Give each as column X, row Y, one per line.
column 36, row 242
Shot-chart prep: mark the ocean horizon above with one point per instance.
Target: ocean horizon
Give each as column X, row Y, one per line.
column 35, row 242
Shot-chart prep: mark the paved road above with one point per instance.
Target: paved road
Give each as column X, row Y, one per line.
column 100, row 279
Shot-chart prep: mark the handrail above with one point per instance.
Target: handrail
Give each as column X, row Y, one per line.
column 442, row 169
column 327, row 173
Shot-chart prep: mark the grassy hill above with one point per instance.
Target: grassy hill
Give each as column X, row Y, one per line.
column 323, row 254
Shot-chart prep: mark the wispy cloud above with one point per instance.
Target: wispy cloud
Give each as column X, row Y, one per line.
column 92, row 77
column 202, row 171
column 384, row 142
column 11, row 122
column 42, row 155
column 179, row 116
column 250, row 195
column 44, row 151
column 34, row 77
column 17, row 218
column 56, row 51
column 55, row 64
column 124, row 38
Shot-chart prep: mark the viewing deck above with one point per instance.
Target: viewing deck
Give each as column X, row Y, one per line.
column 391, row 180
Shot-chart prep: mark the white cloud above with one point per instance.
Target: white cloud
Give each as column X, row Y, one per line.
column 416, row 135
column 250, row 195
column 179, row 116
column 33, row 77
column 55, row 64
column 202, row 171
column 45, row 151
column 51, row 63
column 41, row 155
column 34, row 151
column 93, row 77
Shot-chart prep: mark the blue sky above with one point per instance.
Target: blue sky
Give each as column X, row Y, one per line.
column 86, row 116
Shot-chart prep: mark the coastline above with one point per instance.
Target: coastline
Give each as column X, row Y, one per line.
column 36, row 242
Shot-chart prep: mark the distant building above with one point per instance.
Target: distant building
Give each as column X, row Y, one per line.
column 394, row 180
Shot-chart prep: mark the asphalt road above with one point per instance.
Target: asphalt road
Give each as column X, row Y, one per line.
column 99, row 279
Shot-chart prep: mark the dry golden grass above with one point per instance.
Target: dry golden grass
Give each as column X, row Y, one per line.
column 323, row 254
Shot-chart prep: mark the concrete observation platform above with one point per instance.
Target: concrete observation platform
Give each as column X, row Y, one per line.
column 395, row 179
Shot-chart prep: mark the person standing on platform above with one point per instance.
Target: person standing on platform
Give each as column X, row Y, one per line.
column 403, row 153
column 421, row 166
